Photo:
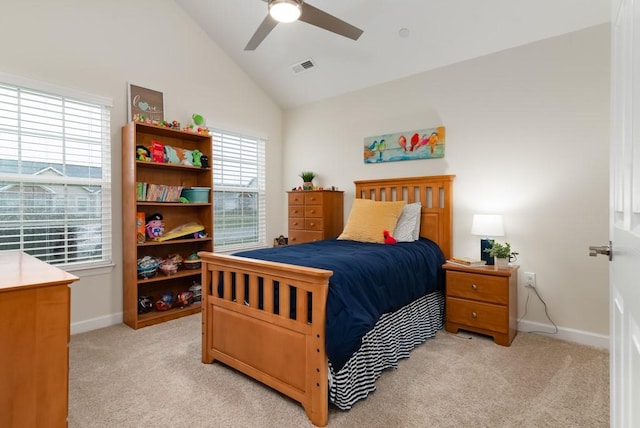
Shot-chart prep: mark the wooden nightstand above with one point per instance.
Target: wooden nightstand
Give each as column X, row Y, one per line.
column 483, row 300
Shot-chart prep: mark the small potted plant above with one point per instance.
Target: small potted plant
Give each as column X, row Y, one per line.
column 501, row 253
column 307, row 179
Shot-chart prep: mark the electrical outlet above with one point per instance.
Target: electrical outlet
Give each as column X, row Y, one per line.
column 530, row 279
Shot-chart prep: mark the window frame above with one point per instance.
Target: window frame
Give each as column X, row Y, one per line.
column 104, row 182
column 220, row 136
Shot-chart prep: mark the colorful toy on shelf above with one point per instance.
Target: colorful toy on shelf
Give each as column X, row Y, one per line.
column 180, row 231
column 197, row 155
column 142, row 153
column 165, row 302
column 204, row 161
column 184, row 298
column 196, row 289
column 198, row 120
column 147, row 267
column 145, row 304
column 155, row 226
column 193, row 261
column 168, row 267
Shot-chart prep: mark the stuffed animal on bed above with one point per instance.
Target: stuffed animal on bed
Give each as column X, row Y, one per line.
column 388, row 239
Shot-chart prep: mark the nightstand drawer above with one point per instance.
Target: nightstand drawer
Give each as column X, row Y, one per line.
column 478, row 287
column 477, row 314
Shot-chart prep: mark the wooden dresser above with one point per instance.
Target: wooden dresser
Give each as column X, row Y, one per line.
column 483, row 300
column 315, row 215
column 34, row 342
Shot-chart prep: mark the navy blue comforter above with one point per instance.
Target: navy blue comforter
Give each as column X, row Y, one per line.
column 368, row 281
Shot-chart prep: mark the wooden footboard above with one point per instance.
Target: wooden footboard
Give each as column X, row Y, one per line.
column 249, row 324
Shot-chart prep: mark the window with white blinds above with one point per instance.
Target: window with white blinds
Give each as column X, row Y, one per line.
column 55, row 174
column 238, row 191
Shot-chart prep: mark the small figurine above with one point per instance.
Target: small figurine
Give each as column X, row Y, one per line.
column 155, row 225
column 204, row 161
column 142, row 153
column 197, row 155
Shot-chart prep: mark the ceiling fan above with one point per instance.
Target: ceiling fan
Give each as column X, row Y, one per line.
column 292, row 10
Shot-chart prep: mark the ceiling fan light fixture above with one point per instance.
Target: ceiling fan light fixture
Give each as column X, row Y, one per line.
column 285, row 10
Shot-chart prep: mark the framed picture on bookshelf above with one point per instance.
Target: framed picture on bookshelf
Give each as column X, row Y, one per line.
column 144, row 104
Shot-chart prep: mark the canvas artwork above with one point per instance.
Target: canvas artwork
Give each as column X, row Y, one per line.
column 145, row 103
column 425, row 143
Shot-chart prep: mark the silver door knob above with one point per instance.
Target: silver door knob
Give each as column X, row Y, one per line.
column 594, row 250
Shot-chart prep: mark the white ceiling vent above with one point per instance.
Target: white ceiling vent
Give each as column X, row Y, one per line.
column 303, row 66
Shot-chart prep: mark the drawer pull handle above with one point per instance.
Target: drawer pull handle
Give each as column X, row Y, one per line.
column 312, row 224
column 474, row 315
column 475, row 287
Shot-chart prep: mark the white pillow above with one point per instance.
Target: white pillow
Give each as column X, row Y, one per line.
column 408, row 226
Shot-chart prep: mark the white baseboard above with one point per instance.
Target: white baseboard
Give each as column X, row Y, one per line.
column 96, row 323
column 568, row 334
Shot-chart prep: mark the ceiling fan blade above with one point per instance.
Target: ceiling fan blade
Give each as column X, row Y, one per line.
column 314, row 16
column 268, row 24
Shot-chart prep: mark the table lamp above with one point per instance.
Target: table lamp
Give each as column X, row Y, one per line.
column 487, row 225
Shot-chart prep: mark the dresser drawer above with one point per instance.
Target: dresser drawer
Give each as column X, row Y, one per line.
column 313, row 224
column 313, row 198
column 296, row 198
column 478, row 287
column 300, row 236
column 314, row 211
column 478, row 314
column 296, row 211
column 296, row 224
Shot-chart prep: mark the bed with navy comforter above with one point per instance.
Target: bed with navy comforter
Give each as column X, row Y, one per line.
column 354, row 308
column 368, row 281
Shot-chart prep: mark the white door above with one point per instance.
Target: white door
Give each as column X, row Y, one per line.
column 625, row 214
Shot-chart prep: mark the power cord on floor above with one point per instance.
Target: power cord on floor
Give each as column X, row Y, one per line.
column 546, row 311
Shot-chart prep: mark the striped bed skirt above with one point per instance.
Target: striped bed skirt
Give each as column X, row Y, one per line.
column 391, row 339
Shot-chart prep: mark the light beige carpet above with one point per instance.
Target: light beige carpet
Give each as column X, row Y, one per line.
column 153, row 377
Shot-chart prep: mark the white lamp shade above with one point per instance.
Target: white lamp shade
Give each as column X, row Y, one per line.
column 487, row 225
column 284, row 10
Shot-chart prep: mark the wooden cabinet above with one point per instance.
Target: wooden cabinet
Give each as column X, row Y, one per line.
column 34, row 340
column 482, row 300
column 174, row 214
column 315, row 215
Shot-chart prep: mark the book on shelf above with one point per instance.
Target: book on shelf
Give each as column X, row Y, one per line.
column 467, row 261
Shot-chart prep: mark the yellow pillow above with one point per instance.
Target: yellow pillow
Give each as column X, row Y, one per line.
column 368, row 219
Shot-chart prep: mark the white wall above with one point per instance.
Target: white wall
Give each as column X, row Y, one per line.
column 527, row 137
column 98, row 46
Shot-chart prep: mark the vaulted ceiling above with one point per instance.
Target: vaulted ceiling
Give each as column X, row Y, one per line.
column 401, row 38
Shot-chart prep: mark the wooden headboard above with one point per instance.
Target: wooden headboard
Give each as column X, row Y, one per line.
column 435, row 193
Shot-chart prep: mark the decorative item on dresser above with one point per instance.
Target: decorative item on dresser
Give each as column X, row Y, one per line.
column 315, row 215
column 298, row 349
column 34, row 342
column 482, row 299
column 172, row 194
